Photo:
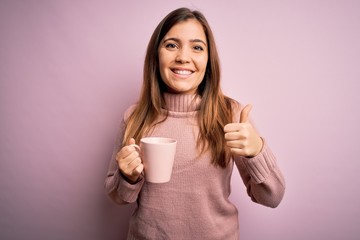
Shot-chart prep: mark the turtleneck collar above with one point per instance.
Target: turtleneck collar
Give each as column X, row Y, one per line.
column 182, row 102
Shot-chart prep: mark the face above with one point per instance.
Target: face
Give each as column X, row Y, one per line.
column 183, row 56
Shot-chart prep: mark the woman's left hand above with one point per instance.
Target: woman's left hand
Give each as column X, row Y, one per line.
column 241, row 137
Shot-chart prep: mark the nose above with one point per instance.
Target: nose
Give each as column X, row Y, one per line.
column 183, row 56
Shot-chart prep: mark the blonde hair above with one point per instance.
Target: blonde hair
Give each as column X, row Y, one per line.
column 215, row 108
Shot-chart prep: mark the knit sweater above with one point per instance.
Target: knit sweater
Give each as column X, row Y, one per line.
column 194, row 204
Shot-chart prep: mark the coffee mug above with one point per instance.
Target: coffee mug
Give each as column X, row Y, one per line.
column 157, row 154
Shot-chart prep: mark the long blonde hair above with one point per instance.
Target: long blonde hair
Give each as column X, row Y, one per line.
column 215, row 108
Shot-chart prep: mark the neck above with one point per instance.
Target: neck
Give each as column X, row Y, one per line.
column 181, row 102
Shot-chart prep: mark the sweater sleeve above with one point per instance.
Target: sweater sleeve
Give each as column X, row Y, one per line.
column 116, row 186
column 262, row 177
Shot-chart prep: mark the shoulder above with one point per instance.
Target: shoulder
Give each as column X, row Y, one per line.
column 129, row 111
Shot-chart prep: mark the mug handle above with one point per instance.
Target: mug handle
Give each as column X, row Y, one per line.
column 135, row 146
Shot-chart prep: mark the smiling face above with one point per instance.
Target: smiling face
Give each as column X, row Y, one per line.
column 183, row 55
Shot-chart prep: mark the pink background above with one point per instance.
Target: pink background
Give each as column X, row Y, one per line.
column 68, row 70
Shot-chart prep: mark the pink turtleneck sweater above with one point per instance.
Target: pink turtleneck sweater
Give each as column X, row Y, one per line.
column 195, row 203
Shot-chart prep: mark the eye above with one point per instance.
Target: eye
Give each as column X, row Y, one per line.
column 199, row 48
column 171, row 45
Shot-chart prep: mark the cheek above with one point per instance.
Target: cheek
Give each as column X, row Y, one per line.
column 202, row 63
column 164, row 60
column 162, row 66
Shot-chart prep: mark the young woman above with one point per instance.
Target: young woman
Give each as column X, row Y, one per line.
column 181, row 98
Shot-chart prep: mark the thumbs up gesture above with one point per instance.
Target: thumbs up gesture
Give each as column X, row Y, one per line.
column 242, row 138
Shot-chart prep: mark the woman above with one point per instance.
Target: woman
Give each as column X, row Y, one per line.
column 181, row 98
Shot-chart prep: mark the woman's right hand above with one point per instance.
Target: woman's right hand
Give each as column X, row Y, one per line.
column 129, row 162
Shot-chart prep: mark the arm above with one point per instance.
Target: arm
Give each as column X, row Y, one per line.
column 256, row 164
column 117, row 186
column 262, row 177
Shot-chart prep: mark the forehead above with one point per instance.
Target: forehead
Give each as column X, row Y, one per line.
column 188, row 29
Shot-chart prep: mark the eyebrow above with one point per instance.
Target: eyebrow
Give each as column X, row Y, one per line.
column 191, row 40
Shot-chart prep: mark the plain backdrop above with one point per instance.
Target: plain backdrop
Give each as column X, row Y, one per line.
column 69, row 69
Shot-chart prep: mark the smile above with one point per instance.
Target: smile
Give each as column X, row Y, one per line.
column 183, row 72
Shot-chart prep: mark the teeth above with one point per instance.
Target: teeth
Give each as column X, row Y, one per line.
column 182, row 72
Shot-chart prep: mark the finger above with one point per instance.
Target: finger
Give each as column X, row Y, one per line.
column 126, row 156
column 133, row 174
column 238, row 151
column 130, row 166
column 138, row 170
column 244, row 114
column 134, row 163
column 232, row 127
column 125, row 152
column 132, row 144
column 239, row 144
column 127, row 160
column 131, row 141
column 134, row 169
column 236, row 135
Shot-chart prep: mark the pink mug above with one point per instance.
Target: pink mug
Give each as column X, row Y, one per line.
column 157, row 154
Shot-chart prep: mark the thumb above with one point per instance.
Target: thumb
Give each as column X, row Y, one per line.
column 244, row 114
column 131, row 141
